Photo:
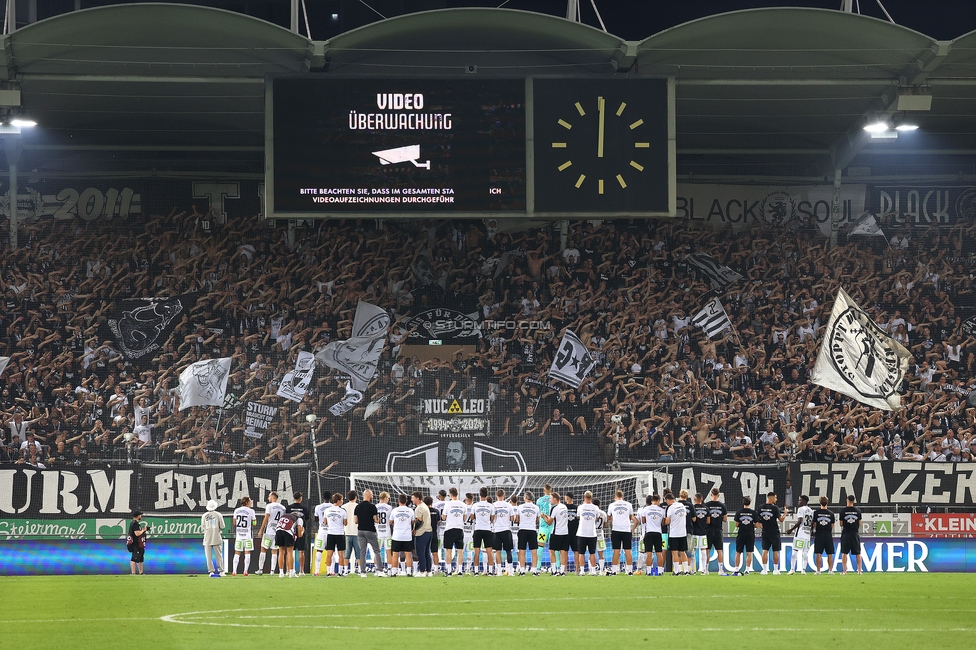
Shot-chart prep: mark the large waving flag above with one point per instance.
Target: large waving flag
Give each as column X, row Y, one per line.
column 719, row 274
column 858, row 359
column 204, row 383
column 143, row 325
column 359, row 354
column 572, row 362
column 712, row 319
column 294, row 385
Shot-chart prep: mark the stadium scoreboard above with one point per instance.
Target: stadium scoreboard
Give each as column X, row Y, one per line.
column 544, row 147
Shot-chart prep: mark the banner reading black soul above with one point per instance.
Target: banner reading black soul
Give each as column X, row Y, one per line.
column 894, row 483
column 159, row 489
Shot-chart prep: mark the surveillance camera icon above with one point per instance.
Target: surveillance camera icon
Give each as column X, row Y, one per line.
column 409, row 154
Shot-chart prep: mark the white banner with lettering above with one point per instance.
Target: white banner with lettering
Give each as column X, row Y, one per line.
column 770, row 206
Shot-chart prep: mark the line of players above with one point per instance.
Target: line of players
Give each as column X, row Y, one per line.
column 469, row 527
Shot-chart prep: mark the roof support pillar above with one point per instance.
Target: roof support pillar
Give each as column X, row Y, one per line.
column 835, row 209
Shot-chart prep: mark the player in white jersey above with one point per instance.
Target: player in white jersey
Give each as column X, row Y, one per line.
column 482, row 514
column 244, row 518
column 527, row 519
column 677, row 521
column 651, row 516
column 402, row 518
column 455, row 513
column 502, row 527
column 801, row 540
column 622, row 523
column 272, row 513
column 437, row 541
column 383, row 512
column 588, row 515
column 469, row 533
column 558, row 518
column 335, row 540
column 322, row 532
column 601, row 537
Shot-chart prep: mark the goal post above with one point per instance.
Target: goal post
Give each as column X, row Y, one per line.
column 635, row 485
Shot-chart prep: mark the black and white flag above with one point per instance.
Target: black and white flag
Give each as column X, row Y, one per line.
column 204, row 383
column 712, row 319
column 857, row 358
column 866, row 224
column 144, row 324
column 375, row 406
column 294, row 385
column 572, row 362
column 359, row 355
column 3, row 363
column 719, row 274
column 352, row 398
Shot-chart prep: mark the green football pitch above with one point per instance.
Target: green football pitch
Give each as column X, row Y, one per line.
column 873, row 610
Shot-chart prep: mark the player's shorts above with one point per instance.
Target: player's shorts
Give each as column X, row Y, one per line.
column 244, row 544
column 601, row 543
column 268, row 540
column 138, row 555
column 584, row 544
column 745, row 544
column 823, row 545
column 402, row 547
column 678, row 544
column 542, row 538
column 698, row 541
column 384, row 542
column 559, row 543
column 714, row 538
column 528, row 539
column 572, row 543
column 850, row 544
column 300, row 543
column 773, row 544
column 653, row 543
column 320, row 542
column 433, row 544
column 283, row 539
column 801, row 543
column 483, row 539
column 454, row 538
column 621, row 540
column 335, row 543
column 503, row 541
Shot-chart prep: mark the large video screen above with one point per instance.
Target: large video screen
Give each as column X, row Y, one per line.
column 385, row 145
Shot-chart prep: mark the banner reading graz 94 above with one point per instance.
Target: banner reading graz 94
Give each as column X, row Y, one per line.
column 733, row 481
column 164, row 489
column 888, row 483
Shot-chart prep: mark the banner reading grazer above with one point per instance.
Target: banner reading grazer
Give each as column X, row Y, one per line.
column 888, row 483
column 163, row 489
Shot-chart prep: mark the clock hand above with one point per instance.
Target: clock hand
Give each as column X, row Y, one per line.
column 600, row 104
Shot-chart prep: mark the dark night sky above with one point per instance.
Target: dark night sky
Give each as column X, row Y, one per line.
column 638, row 19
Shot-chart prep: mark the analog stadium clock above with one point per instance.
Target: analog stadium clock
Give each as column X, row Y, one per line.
column 601, row 145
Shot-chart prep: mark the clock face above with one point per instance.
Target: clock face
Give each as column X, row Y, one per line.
column 601, row 145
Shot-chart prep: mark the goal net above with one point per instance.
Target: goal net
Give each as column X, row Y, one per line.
column 635, row 485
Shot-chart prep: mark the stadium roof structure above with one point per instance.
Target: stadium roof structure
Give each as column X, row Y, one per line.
column 777, row 92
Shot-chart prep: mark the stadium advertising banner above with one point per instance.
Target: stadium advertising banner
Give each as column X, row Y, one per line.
column 100, row 528
column 749, row 206
column 888, row 555
column 398, row 145
column 99, row 557
column 944, row 525
column 161, row 489
column 923, row 205
column 889, row 483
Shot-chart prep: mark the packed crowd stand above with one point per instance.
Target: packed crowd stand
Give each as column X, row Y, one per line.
column 70, row 397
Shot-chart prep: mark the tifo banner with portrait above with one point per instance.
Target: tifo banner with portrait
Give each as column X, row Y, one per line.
column 890, row 483
column 767, row 206
column 26, row 492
